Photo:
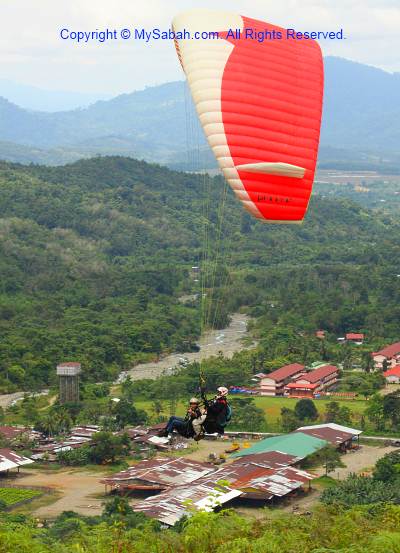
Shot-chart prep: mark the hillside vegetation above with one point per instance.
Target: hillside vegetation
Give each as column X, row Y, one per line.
column 367, row 529
column 94, row 256
column 361, row 113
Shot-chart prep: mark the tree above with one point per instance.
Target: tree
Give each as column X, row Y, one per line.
column 157, row 409
column 128, row 389
column 387, row 469
column 374, row 412
column 246, row 415
column 117, row 506
column 391, row 408
column 345, row 416
column 331, row 459
column 367, row 362
column 305, row 410
column 126, row 413
column 107, row 447
column 336, row 413
column 360, row 490
column 366, row 389
column 289, row 421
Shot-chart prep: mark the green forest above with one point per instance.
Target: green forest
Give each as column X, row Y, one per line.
column 94, row 257
column 361, row 529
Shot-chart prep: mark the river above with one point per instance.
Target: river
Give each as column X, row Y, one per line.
column 228, row 341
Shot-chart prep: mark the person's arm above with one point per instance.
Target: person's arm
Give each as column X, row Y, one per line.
column 216, row 408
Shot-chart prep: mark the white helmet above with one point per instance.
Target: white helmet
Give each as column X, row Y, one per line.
column 222, row 391
column 194, row 400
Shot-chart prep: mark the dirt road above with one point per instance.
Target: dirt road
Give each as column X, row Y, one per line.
column 79, row 490
column 7, row 399
column 362, row 460
column 227, row 340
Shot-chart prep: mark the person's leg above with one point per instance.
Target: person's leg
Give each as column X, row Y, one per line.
column 172, row 423
column 197, row 424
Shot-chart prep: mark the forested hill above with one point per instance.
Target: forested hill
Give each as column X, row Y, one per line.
column 361, row 112
column 94, row 255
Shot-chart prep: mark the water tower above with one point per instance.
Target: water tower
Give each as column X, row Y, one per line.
column 68, row 375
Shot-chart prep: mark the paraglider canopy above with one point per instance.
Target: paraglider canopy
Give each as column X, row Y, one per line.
column 259, row 103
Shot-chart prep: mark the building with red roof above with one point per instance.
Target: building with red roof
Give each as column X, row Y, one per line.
column 390, row 354
column 320, row 334
column 392, row 375
column 274, row 383
column 356, row 337
column 313, row 383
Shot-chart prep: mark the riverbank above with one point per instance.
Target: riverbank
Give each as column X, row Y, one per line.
column 227, row 341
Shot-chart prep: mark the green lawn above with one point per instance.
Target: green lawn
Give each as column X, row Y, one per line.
column 272, row 408
column 10, row 496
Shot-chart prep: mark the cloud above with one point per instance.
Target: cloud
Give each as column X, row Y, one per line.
column 32, row 52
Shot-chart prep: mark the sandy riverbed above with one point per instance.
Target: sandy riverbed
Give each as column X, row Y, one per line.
column 227, row 341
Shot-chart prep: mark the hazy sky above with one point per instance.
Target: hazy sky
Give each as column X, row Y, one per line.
column 32, row 52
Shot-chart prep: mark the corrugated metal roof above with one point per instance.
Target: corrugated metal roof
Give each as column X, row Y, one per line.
column 10, row 460
column 334, row 426
column 170, row 506
column 268, row 459
column 165, row 472
column 11, row 432
column 298, row 444
column 220, row 487
column 335, row 437
column 85, row 431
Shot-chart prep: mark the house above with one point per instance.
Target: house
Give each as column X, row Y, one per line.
column 11, row 460
column 390, row 354
column 274, row 383
column 320, row 334
column 158, row 474
column 221, row 486
column 355, row 337
column 392, row 375
column 339, row 438
column 313, row 383
column 12, row 433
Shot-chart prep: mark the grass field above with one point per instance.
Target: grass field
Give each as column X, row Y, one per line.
column 272, row 408
column 10, row 496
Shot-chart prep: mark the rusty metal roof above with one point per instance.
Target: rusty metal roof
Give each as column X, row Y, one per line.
column 11, row 432
column 335, row 437
column 170, row 506
column 334, row 426
column 221, row 486
column 165, row 472
column 11, row 460
column 85, row 431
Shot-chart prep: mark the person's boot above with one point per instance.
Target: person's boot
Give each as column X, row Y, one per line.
column 198, row 437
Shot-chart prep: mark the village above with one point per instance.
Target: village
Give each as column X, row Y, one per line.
column 170, row 477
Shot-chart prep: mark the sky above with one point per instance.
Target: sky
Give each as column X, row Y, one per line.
column 32, row 52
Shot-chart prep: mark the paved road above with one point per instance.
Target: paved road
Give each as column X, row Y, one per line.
column 7, row 399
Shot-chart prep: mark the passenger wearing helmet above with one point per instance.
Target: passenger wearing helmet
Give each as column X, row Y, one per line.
column 217, row 412
column 184, row 426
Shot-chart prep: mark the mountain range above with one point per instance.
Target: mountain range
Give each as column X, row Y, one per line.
column 361, row 116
